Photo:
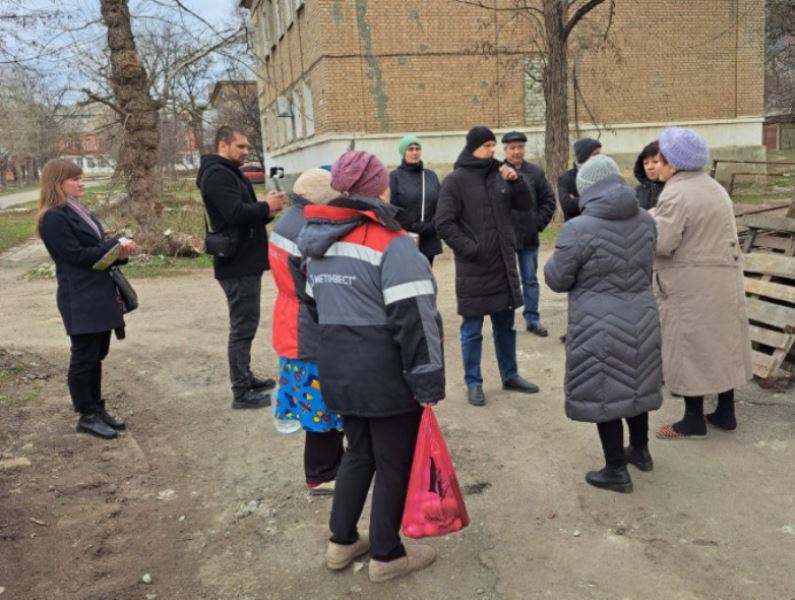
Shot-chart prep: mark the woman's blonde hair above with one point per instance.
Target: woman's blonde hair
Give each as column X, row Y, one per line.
column 54, row 173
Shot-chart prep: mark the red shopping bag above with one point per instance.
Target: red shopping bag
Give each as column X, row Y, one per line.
column 434, row 503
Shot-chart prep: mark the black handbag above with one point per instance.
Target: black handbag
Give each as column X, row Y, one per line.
column 127, row 295
column 218, row 244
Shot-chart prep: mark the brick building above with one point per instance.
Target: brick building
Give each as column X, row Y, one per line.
column 339, row 72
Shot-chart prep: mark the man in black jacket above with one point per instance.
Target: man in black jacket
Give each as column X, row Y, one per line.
column 528, row 224
column 474, row 218
column 568, row 196
column 235, row 211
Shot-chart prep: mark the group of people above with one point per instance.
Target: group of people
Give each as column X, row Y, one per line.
column 653, row 275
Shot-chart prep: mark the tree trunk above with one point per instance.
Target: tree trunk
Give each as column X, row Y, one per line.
column 138, row 113
column 555, row 85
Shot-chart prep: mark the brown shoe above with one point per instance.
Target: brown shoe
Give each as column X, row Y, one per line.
column 418, row 556
column 339, row 556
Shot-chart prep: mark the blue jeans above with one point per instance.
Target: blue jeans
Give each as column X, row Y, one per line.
column 528, row 267
column 504, row 346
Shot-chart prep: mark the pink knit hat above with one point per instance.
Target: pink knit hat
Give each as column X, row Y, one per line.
column 359, row 173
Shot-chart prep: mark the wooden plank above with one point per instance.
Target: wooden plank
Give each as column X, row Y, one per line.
column 763, row 364
column 774, row 339
column 782, row 317
column 771, row 242
column 773, row 223
column 770, row 290
column 769, row 264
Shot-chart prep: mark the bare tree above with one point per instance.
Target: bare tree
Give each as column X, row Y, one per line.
column 552, row 23
column 138, row 97
column 780, row 56
column 29, row 124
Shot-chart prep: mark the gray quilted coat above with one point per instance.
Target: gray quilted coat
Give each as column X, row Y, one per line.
column 604, row 260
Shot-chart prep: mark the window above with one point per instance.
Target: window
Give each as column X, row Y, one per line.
column 309, row 109
column 262, row 29
column 298, row 116
column 277, row 15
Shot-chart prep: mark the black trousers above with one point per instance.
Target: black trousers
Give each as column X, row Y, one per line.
column 383, row 447
column 430, row 259
column 243, row 298
column 322, row 455
column 611, row 433
column 85, row 370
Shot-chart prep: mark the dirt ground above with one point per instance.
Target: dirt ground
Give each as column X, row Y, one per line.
column 210, row 502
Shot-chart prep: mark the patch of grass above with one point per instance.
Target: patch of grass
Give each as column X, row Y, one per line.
column 550, row 233
column 16, row 227
column 142, row 267
column 15, row 190
column 165, row 266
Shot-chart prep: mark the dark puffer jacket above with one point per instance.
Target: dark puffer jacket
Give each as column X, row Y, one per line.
column 648, row 191
column 405, row 187
column 379, row 349
column 529, row 223
column 604, row 260
column 233, row 209
column 474, row 218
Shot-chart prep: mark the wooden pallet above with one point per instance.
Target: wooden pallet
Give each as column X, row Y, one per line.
column 768, row 233
column 770, row 298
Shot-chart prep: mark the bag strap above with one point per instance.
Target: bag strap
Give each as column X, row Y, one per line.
column 422, row 210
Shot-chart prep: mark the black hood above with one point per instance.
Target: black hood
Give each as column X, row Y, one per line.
column 639, row 171
column 209, row 160
column 611, row 199
column 466, row 160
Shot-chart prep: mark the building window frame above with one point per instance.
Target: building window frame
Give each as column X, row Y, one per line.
column 309, row 109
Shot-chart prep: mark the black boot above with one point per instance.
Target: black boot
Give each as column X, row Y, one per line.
column 93, row 424
column 262, row 384
column 693, row 423
column 109, row 419
column 251, row 399
column 517, row 384
column 475, row 396
column 639, row 457
column 723, row 417
column 615, row 479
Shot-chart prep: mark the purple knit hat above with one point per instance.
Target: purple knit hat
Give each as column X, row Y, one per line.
column 684, row 148
column 359, row 173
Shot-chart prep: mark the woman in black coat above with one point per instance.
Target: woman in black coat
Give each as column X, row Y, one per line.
column 87, row 297
column 645, row 172
column 415, row 190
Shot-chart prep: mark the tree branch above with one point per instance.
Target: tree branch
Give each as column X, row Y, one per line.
column 578, row 16
column 193, row 58
column 106, row 101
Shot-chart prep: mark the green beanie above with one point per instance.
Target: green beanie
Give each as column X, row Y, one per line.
column 406, row 142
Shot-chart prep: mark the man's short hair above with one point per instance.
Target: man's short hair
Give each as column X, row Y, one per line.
column 226, row 134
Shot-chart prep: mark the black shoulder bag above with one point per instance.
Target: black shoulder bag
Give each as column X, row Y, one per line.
column 216, row 243
column 127, row 295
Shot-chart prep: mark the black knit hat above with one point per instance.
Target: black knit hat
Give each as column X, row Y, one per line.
column 584, row 148
column 478, row 136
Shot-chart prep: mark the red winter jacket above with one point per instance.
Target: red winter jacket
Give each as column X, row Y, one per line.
column 295, row 331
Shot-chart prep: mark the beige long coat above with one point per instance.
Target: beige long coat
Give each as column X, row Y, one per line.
column 699, row 286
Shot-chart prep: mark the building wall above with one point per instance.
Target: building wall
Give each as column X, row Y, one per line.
column 380, row 68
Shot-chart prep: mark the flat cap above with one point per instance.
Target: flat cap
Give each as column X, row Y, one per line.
column 514, row 136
